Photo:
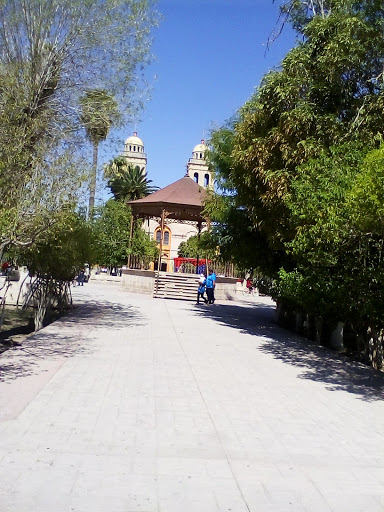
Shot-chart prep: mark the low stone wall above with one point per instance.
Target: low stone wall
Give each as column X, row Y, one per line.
column 226, row 288
column 139, row 281
column 143, row 281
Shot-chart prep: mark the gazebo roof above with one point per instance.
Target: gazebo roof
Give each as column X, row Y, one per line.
column 182, row 200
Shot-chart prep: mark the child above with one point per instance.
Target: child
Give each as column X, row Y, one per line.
column 201, row 289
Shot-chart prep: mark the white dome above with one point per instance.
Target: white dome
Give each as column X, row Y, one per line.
column 134, row 139
column 200, row 147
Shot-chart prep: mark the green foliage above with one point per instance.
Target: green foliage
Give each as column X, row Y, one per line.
column 142, row 245
column 317, row 202
column 64, row 250
column 99, row 111
column 52, row 53
column 112, row 225
column 28, row 211
column 327, row 87
column 127, row 182
column 302, row 171
column 338, row 244
column 72, row 44
column 112, row 231
column 199, row 246
column 364, row 201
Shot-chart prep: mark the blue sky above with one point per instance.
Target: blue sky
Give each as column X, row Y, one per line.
column 210, row 56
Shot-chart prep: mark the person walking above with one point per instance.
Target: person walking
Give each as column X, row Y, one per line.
column 210, row 287
column 80, row 278
column 201, row 289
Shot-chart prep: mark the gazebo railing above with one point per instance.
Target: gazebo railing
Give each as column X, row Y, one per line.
column 139, row 262
column 220, row 268
column 142, row 262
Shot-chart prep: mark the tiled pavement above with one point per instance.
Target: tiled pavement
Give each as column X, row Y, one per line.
column 135, row 404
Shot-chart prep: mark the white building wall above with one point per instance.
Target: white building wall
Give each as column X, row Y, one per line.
column 180, row 232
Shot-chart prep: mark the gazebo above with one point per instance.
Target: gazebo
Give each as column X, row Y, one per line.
column 182, row 201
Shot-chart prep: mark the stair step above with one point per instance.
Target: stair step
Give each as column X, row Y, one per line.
column 176, row 286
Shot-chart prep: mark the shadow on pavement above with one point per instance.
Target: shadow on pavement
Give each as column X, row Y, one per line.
column 65, row 337
column 318, row 363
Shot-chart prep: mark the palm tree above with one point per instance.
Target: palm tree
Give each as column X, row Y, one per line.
column 116, row 168
column 129, row 183
column 99, row 112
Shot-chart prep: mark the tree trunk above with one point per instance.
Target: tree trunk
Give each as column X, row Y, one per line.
column 376, row 349
column 43, row 301
column 299, row 321
column 318, row 328
column 92, row 185
column 336, row 338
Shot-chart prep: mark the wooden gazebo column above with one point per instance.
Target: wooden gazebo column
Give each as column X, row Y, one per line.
column 161, row 248
column 198, row 237
column 130, row 242
column 206, row 255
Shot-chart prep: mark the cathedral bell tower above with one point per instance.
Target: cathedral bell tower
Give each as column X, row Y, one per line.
column 134, row 153
column 197, row 168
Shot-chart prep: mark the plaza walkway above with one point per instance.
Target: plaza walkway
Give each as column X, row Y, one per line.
column 135, row 404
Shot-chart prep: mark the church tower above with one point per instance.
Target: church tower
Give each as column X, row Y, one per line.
column 134, row 153
column 197, row 168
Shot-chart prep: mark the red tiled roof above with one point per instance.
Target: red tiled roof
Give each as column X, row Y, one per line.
column 182, row 200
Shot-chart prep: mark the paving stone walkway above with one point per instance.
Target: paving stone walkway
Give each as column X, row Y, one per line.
column 135, row 404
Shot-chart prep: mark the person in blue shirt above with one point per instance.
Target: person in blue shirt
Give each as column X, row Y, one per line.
column 210, row 287
column 201, row 289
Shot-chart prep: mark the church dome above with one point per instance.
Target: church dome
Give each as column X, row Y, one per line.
column 199, row 151
column 134, row 140
column 200, row 147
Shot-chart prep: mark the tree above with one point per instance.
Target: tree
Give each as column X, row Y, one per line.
column 198, row 246
column 336, row 205
column 68, row 46
column 328, row 88
column 51, row 52
column 30, row 210
column 99, row 112
column 54, row 262
column 328, row 91
column 233, row 230
column 300, row 159
column 112, row 224
column 127, row 183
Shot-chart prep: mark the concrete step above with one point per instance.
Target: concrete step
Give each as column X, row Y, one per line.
column 177, row 286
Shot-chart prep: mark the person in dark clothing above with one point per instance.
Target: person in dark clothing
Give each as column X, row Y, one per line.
column 80, row 278
column 210, row 287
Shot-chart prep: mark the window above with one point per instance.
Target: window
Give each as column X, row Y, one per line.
column 206, row 180
column 196, row 177
column 130, row 148
column 201, row 155
column 166, row 236
column 134, row 148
